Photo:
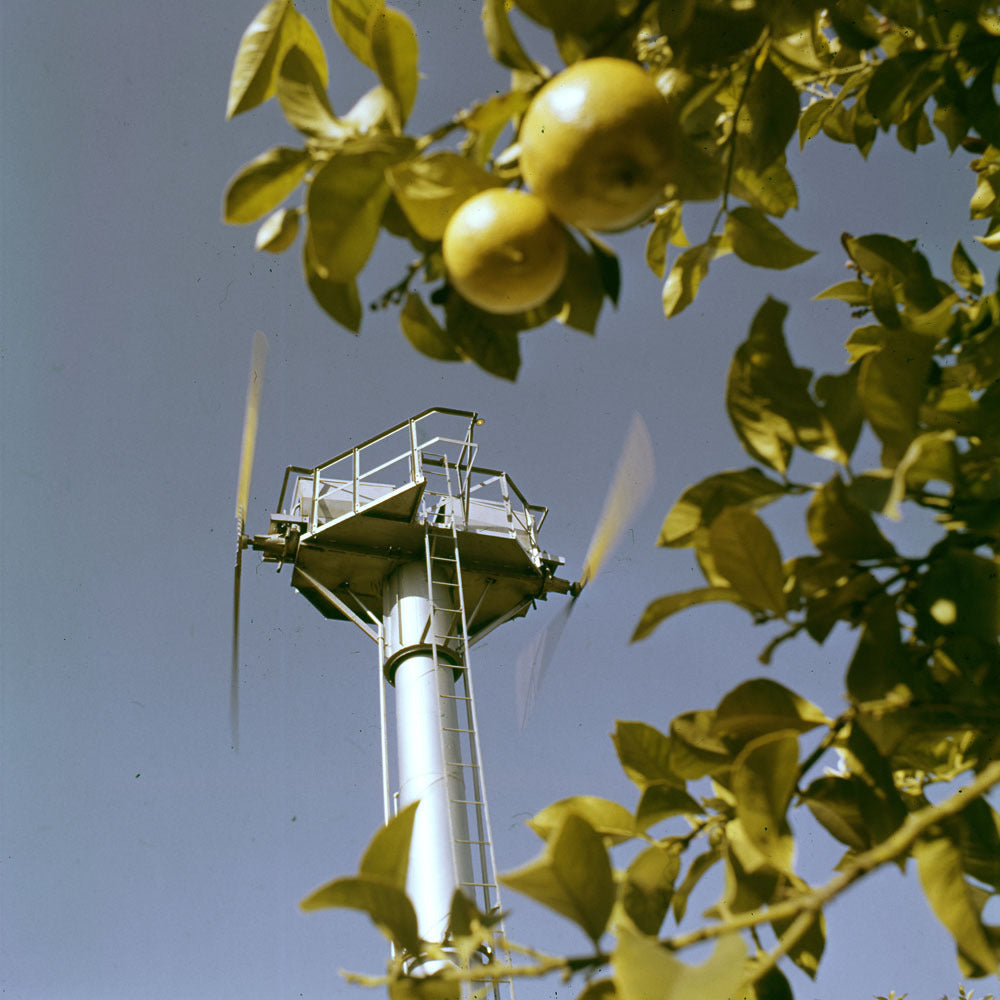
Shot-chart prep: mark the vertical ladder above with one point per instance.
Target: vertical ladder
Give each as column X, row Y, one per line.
column 444, row 577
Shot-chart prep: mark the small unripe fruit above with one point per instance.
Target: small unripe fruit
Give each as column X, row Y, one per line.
column 597, row 144
column 504, row 252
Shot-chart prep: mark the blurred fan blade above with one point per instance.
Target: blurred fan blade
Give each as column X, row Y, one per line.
column 234, row 676
column 629, row 490
column 257, row 362
column 534, row 661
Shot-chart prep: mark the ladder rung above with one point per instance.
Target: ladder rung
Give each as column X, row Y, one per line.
column 452, row 729
column 457, row 697
column 483, row 843
column 481, row 885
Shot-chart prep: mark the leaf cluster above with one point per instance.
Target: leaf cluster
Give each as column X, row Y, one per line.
column 743, row 79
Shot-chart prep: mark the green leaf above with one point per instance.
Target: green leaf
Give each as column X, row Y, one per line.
column 836, row 803
column 929, row 457
column 686, row 275
column 663, row 607
column 979, row 831
column 892, row 382
column 696, row 870
column 695, row 750
column 644, row 969
column 701, row 504
column 395, row 51
column 773, row 986
column 767, row 397
column 660, row 801
column 501, row 40
column 854, row 293
column 610, row 819
column 760, row 242
column 483, row 338
column 841, row 408
column 257, row 59
column 965, row 271
column 345, row 203
column 959, row 592
column 807, row 951
column 666, row 229
column 387, row 857
column 350, row 18
column 582, row 290
column 608, row 268
column 264, row 183
column 900, row 85
column 572, row 876
column 768, row 118
column 648, row 887
column 424, row 332
column 383, row 901
column 840, row 527
column 278, row 231
column 771, row 188
column 764, row 777
column 429, row 189
column 880, row 664
column 643, row 752
column 339, row 299
column 302, row 96
column 761, row 706
column 745, row 553
column 939, row 863
column 276, row 28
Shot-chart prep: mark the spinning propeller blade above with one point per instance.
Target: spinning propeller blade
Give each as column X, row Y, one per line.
column 630, row 488
column 257, row 362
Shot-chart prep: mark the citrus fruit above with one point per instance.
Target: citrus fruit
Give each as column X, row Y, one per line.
column 597, row 144
column 504, row 252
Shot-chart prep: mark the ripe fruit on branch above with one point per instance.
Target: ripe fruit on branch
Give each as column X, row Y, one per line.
column 504, row 252
column 597, row 144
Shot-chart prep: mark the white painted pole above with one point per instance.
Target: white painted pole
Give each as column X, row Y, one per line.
column 429, row 747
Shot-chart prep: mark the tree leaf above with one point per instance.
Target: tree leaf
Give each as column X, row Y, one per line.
column 610, row 819
column 387, row 857
column 854, row 293
column 264, row 183
column 338, row 299
column 745, row 553
column 965, row 271
column 836, row 803
column 760, row 242
column 666, row 229
column 959, row 592
column 697, row 868
column 430, row 188
column 880, row 664
column 892, row 382
column 767, row 397
column 278, row 231
column 770, row 189
column 695, row 750
column 686, row 275
column 259, row 55
column 644, row 969
column 838, row 526
column 350, row 18
column 768, row 118
column 482, row 338
column 383, row 901
column 276, row 28
column 424, row 332
column 302, row 96
column 663, row 607
column 345, row 203
column 699, row 505
column 661, row 800
column 396, row 52
column 806, row 952
column 501, row 40
column 643, row 752
column 939, row 863
column 572, row 876
column 761, row 706
column 764, row 778
column 649, row 885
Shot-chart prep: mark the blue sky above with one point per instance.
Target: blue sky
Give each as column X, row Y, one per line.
column 140, row 855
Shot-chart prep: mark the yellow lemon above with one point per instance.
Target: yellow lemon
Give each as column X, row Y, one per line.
column 597, row 144
column 504, row 252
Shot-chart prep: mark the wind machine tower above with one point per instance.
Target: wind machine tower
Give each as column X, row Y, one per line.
column 426, row 552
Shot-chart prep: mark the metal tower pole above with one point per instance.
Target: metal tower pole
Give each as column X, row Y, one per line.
column 429, row 750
